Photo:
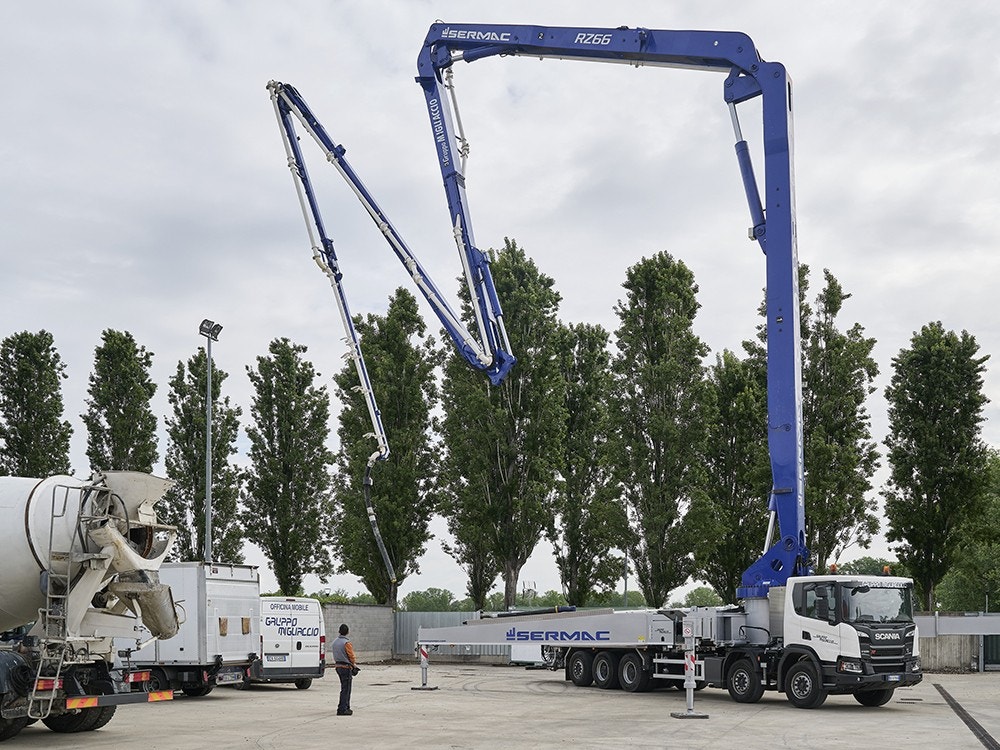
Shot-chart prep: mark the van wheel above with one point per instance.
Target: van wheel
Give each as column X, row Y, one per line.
column 304, row 683
column 803, row 686
column 157, row 681
column 581, row 668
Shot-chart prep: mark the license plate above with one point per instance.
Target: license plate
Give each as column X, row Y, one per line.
column 275, row 657
column 224, row 679
column 894, row 677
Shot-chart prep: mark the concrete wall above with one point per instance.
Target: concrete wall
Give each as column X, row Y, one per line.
column 950, row 653
column 372, row 629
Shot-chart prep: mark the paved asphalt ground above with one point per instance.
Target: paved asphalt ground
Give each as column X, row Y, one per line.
column 478, row 706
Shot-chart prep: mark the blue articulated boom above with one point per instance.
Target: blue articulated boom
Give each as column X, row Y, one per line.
column 491, row 356
column 773, row 219
column 326, row 258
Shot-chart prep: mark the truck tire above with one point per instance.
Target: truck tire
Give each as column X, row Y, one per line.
column 874, row 697
column 606, row 670
column 803, row 686
column 581, row 668
column 199, row 691
column 744, row 682
column 157, row 681
column 631, row 675
column 10, row 727
column 304, row 683
column 106, row 714
column 69, row 723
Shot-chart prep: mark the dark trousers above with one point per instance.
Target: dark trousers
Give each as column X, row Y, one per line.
column 345, row 688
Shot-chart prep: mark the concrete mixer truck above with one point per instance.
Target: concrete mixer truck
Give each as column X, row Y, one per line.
column 78, row 568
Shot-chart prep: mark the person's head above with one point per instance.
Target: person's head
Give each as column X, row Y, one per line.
column 344, row 630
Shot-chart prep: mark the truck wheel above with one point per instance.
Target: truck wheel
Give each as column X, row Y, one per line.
column 606, row 670
column 803, row 687
column 874, row 697
column 631, row 676
column 157, row 681
column 69, row 723
column 10, row 727
column 304, row 683
column 744, row 682
column 581, row 668
column 105, row 714
column 197, row 692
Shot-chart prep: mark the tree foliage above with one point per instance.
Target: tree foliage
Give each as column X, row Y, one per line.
column 738, row 470
column 121, row 426
column 503, row 444
column 938, row 462
column 972, row 584
column 660, row 404
column 184, row 504
column 590, row 518
column 287, row 502
column 400, row 365
column 34, row 439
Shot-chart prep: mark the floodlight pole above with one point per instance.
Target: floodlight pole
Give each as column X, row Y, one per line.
column 210, row 330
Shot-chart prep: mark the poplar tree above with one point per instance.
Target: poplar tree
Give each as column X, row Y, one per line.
column 590, row 522
column 660, row 410
column 121, row 426
column 34, row 439
column 937, row 459
column 184, row 504
column 400, row 361
column 287, row 504
column 503, row 444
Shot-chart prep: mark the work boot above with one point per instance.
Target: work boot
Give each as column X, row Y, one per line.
column 345, row 712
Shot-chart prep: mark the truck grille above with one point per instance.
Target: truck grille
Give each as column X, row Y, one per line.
column 886, row 657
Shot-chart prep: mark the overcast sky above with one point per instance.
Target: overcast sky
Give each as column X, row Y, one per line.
column 144, row 184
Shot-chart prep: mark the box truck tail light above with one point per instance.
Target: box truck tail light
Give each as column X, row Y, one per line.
column 138, row 676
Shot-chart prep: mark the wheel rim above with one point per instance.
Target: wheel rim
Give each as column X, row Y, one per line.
column 741, row 682
column 577, row 668
column 802, row 685
column 601, row 670
column 629, row 672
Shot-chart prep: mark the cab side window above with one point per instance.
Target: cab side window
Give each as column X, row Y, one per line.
column 815, row 601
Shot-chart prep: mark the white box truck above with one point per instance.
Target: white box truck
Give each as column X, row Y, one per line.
column 292, row 642
column 220, row 634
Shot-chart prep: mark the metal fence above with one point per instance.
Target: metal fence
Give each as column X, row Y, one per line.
column 407, row 624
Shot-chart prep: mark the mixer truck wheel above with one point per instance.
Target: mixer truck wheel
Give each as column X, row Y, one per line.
column 581, row 668
column 10, row 727
column 103, row 717
column 69, row 723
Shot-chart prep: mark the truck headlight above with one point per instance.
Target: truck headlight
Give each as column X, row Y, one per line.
column 850, row 665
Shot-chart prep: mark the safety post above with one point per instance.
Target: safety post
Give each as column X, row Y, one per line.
column 423, row 669
column 689, row 681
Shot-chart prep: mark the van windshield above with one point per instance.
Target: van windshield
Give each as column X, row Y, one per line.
column 867, row 602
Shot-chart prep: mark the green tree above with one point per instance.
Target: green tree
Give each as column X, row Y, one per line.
column 34, row 439
column 660, row 404
column 872, row 566
column 287, row 502
column 503, row 444
column 738, row 470
column 972, row 583
column 430, row 600
column 121, row 426
column 612, row 598
column 591, row 520
column 938, row 462
column 184, row 504
column 700, row 596
column 840, row 455
column 401, row 369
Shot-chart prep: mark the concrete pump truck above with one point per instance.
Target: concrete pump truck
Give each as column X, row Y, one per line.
column 806, row 635
column 791, row 631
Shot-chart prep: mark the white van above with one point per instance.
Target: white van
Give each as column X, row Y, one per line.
column 292, row 642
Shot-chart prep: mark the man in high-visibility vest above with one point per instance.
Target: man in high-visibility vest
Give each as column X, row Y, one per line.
column 346, row 665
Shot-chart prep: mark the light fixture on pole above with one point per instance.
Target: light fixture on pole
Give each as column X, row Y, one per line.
column 210, row 330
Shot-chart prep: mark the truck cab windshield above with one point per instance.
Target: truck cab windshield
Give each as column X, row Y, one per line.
column 873, row 603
